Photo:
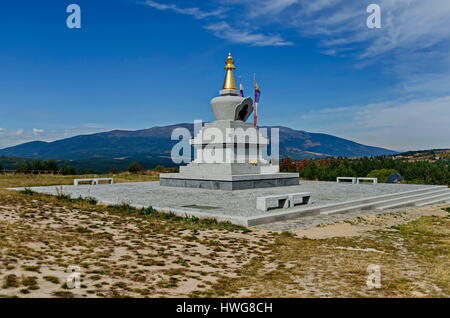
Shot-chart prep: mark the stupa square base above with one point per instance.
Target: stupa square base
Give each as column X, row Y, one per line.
column 230, row 182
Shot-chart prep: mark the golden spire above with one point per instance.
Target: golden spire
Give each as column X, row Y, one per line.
column 229, row 82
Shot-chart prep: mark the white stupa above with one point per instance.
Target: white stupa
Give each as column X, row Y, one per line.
column 230, row 154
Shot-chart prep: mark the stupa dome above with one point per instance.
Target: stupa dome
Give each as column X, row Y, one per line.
column 229, row 105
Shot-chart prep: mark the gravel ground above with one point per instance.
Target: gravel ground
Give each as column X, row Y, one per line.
column 240, row 203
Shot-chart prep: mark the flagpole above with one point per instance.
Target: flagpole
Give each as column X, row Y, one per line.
column 241, row 87
column 255, row 111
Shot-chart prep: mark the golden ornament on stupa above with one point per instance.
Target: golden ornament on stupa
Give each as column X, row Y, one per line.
column 229, row 82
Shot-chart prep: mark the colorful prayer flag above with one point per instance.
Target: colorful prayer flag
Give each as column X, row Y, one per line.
column 241, row 88
column 257, row 97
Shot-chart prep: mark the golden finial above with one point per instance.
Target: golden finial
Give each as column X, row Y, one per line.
column 229, row 82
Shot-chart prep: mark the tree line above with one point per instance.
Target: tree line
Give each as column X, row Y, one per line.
column 52, row 167
column 43, row 166
column 328, row 169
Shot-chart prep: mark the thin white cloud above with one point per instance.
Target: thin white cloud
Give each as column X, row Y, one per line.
column 310, row 7
column 37, row 131
column 406, row 24
column 225, row 31
column 267, row 7
column 410, row 28
column 411, row 47
column 196, row 12
column 9, row 138
column 400, row 125
column 94, row 126
column 235, row 33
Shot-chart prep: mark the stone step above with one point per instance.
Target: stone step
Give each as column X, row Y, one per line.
column 442, row 199
column 392, row 201
column 365, row 206
column 415, row 200
column 355, row 204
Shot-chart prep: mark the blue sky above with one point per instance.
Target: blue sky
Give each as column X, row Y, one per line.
column 135, row 64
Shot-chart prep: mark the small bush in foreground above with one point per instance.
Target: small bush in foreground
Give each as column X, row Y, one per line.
column 149, row 211
column 89, row 200
column 10, row 281
column 123, row 208
column 61, row 196
column 30, row 282
column 192, row 219
column 31, row 268
column 63, row 294
column 52, row 279
column 27, row 191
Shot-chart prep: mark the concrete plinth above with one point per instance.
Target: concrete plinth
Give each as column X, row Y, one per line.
column 229, row 182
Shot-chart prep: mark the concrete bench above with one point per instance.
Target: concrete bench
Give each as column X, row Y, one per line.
column 374, row 180
column 272, row 202
column 282, row 201
column 93, row 181
column 298, row 198
column 352, row 179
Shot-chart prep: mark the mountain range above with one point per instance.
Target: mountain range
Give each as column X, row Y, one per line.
column 156, row 143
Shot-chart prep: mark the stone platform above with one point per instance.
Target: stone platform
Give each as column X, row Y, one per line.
column 239, row 207
column 230, row 182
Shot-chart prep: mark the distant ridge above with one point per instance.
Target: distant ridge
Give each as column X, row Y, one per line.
column 156, row 142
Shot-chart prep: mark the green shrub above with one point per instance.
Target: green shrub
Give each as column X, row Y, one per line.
column 63, row 294
column 192, row 219
column 148, row 211
column 67, row 170
column 27, row 191
column 169, row 215
column 10, row 281
column 123, row 208
column 159, row 168
column 89, row 200
column 52, row 279
column 135, row 167
column 381, row 174
column 31, row 268
column 30, row 282
column 50, row 166
column 61, row 196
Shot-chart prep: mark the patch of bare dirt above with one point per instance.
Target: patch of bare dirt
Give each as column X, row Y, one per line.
column 116, row 255
column 363, row 225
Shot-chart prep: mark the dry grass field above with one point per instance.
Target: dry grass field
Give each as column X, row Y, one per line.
column 125, row 252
